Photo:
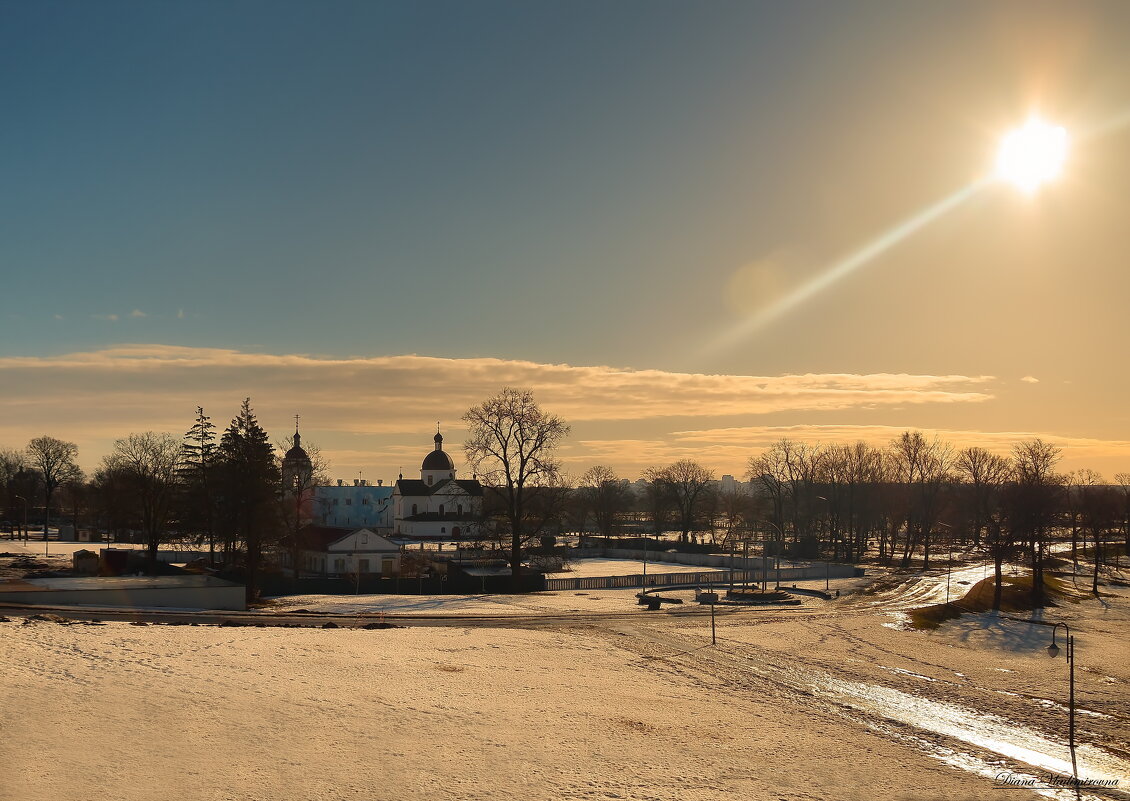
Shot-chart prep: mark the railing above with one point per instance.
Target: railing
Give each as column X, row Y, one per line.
column 753, row 575
column 653, row 580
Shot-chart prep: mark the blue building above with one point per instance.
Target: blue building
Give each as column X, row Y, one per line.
column 353, row 506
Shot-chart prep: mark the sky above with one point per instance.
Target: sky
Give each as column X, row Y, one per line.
column 690, row 228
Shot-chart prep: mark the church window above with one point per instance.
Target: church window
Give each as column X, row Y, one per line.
column 413, row 508
column 443, row 530
column 348, row 501
column 365, row 501
column 441, row 510
column 459, row 509
column 335, row 501
column 429, row 481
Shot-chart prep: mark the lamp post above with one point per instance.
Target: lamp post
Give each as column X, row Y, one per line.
column 949, row 557
column 827, row 565
column 643, row 579
column 1053, row 652
column 776, row 555
column 23, row 500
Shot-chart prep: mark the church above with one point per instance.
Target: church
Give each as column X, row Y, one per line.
column 437, row 505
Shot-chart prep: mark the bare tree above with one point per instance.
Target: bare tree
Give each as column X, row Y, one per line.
column 1036, row 503
column 13, row 467
column 1099, row 511
column 511, row 444
column 768, row 471
column 1123, row 480
column 55, row 461
column 149, row 463
column 987, row 475
column 602, row 495
column 687, row 484
column 924, row 467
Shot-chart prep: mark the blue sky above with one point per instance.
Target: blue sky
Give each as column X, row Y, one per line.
column 581, row 183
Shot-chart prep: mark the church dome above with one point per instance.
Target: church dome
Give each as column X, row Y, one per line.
column 297, row 452
column 437, row 459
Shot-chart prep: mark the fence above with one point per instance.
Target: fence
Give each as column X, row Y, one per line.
column 759, row 575
column 653, row 580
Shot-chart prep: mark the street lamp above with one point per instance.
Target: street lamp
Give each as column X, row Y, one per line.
column 949, row 557
column 827, row 566
column 1053, row 652
column 23, row 500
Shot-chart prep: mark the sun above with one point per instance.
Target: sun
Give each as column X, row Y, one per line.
column 1033, row 155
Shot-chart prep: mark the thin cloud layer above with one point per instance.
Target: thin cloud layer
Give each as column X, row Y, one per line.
column 377, row 414
column 451, row 385
column 97, row 396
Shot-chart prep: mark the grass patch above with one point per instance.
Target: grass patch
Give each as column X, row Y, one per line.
column 1016, row 596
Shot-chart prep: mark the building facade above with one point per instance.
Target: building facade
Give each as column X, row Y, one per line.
column 438, row 505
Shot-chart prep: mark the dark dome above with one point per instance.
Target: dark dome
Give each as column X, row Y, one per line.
column 437, row 460
column 297, row 453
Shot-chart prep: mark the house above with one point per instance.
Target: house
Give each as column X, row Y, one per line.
column 325, row 551
column 437, row 505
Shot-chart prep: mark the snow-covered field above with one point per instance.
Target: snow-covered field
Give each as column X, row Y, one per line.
column 826, row 702
column 585, row 568
column 620, row 600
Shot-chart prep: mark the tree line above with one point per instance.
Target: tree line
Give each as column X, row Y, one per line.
column 905, row 501
column 219, row 490
column 912, row 499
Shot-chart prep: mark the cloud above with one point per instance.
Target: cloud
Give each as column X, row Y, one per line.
column 1030, row 379
column 180, row 314
column 378, row 413
column 113, row 318
column 137, row 313
column 57, row 316
column 359, row 388
column 97, row 396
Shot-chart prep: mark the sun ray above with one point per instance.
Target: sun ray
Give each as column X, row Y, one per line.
column 850, row 264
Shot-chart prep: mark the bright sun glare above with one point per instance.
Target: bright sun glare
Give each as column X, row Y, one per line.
column 1032, row 155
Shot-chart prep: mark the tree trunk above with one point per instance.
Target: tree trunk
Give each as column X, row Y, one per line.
column 998, row 560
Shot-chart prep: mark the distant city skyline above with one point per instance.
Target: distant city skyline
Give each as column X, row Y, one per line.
column 376, row 214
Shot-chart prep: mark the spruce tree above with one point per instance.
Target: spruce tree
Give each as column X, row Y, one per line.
column 198, row 465
column 250, row 483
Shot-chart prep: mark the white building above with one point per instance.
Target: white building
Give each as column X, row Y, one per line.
column 437, row 505
column 334, row 552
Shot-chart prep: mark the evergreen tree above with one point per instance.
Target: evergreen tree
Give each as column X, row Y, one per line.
column 249, row 488
column 198, row 466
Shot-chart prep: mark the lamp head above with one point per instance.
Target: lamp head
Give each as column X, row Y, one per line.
column 1053, row 650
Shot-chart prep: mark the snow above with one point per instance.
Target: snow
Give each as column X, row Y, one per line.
column 585, row 568
column 823, row 702
column 34, row 547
